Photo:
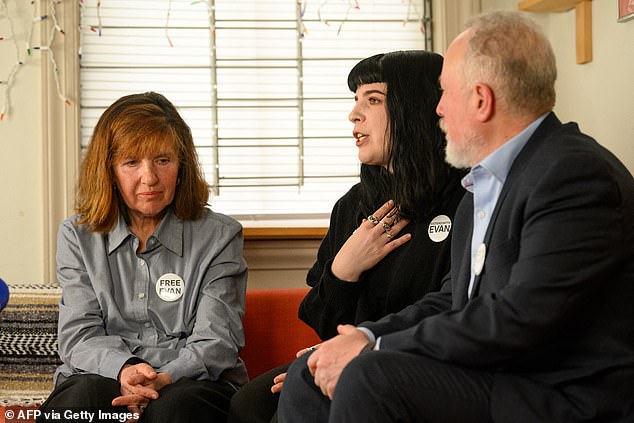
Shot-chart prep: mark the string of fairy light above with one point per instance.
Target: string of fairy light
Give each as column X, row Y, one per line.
column 355, row 4
column 24, row 48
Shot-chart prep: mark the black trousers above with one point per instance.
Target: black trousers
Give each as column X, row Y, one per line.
column 254, row 402
column 185, row 400
column 387, row 386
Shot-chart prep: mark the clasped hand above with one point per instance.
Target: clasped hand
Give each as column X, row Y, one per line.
column 139, row 385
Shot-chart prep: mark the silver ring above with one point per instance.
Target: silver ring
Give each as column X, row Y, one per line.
column 313, row 348
column 388, row 235
column 373, row 219
column 386, row 227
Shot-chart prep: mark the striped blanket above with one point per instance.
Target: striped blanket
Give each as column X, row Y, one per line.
column 28, row 344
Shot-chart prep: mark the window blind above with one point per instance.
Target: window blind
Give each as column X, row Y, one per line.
column 261, row 83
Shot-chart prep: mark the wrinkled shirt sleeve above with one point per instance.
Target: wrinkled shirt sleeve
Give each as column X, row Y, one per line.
column 84, row 344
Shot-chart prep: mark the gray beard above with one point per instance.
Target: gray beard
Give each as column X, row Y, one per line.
column 469, row 155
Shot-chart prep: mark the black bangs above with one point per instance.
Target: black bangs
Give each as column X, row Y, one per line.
column 367, row 71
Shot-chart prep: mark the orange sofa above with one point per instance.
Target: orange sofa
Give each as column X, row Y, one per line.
column 272, row 329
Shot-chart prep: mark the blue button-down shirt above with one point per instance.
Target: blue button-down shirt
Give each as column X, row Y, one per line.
column 485, row 181
column 114, row 306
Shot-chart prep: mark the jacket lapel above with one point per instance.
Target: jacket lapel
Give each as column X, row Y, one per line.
column 461, row 248
column 521, row 161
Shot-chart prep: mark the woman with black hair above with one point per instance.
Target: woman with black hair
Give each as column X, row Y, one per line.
column 388, row 240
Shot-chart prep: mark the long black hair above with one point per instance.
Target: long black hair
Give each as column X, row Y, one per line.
column 416, row 147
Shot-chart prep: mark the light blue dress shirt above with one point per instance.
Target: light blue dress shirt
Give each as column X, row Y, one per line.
column 485, row 182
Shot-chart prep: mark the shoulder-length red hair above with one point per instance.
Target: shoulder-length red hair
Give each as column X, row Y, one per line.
column 133, row 126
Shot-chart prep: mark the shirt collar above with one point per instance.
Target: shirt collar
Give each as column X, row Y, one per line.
column 118, row 234
column 500, row 161
column 169, row 233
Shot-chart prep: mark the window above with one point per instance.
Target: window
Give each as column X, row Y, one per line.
column 261, row 83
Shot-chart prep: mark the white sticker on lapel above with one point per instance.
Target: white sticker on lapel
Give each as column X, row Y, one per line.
column 481, row 253
column 439, row 228
column 170, row 287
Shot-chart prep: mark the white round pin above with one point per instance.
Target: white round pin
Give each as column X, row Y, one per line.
column 170, row 287
column 439, row 228
column 481, row 253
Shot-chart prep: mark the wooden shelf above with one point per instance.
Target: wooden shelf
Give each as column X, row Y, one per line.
column 284, row 233
column 542, row 6
column 583, row 16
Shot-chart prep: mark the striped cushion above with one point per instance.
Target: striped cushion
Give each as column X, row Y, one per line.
column 28, row 344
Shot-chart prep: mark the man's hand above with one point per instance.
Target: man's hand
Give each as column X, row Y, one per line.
column 327, row 362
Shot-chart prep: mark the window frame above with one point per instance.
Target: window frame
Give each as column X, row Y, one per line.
column 61, row 139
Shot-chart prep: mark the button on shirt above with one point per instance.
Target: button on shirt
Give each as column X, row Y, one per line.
column 110, row 309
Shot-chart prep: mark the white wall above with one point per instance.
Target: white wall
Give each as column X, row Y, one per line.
column 598, row 95
column 21, row 193
column 21, row 214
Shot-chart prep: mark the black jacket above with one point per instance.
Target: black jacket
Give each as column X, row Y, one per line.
column 552, row 316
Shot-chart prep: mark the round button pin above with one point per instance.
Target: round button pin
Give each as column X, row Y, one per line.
column 170, row 287
column 439, row 228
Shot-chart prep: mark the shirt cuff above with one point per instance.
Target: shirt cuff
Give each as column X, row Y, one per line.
column 368, row 333
column 113, row 363
column 186, row 365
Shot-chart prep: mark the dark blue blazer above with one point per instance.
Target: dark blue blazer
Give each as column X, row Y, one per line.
column 552, row 314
